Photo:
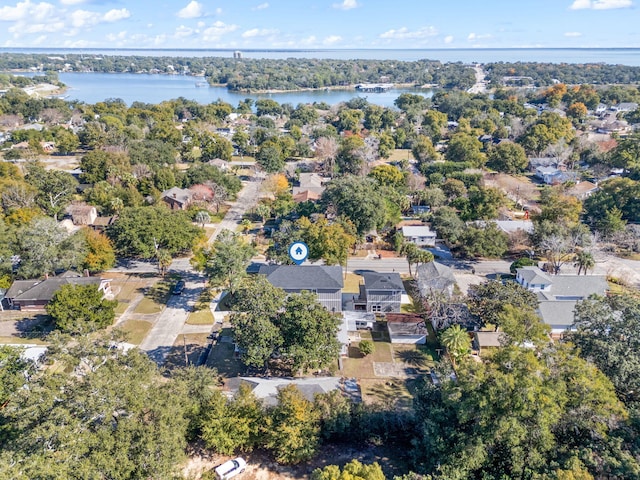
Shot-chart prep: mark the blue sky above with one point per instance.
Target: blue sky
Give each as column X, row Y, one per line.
column 301, row 24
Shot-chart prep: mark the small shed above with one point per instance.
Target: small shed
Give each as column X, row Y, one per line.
column 406, row 328
column 484, row 340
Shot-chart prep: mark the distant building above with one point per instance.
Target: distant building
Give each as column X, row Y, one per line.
column 422, row 236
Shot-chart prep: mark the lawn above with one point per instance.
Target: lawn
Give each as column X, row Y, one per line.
column 222, row 357
column 21, row 340
column 155, row 298
column 194, row 344
column 400, row 154
column 352, row 283
column 136, row 330
column 200, row 317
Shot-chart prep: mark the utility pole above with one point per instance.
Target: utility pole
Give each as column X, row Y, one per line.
column 186, row 359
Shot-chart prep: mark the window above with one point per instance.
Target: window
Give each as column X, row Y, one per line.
column 376, row 308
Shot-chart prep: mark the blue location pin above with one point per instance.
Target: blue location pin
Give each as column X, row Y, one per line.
column 298, row 251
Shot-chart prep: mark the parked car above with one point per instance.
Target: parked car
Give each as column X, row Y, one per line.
column 230, row 468
column 178, row 287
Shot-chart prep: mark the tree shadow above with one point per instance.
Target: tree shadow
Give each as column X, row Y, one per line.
column 37, row 326
column 414, row 358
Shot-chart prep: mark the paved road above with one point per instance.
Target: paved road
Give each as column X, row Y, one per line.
column 171, row 322
column 247, row 199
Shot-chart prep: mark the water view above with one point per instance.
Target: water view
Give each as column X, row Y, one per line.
column 130, row 87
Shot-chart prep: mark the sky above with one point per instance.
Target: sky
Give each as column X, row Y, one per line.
column 319, row 24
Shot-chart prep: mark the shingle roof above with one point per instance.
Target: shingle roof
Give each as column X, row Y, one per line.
column 434, row 276
column 382, row 281
column 179, row 194
column 559, row 315
column 303, row 277
column 266, row 389
column 417, row 231
column 576, row 286
column 405, row 324
column 30, row 290
column 488, row 339
column 533, row 275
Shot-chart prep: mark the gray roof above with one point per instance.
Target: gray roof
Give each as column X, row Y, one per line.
column 179, row 194
column 382, row 281
column 434, row 276
column 304, row 277
column 488, row 339
column 405, row 324
column 559, row 315
column 35, row 290
column 533, row 275
column 266, row 389
column 575, row 286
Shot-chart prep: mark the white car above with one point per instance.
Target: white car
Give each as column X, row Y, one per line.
column 230, row 468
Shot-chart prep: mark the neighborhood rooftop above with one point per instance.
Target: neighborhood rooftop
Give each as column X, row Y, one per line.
column 303, row 277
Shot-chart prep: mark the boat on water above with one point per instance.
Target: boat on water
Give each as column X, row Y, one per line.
column 202, row 84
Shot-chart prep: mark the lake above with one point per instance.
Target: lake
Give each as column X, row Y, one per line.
column 134, row 87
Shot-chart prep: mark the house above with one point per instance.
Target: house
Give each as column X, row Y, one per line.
column 600, row 109
column 435, row 277
column 513, row 226
column 325, row 281
column 559, row 294
column 406, row 328
column 420, row 235
column 177, row 198
column 486, row 340
column 266, row 389
column 554, row 176
column 381, row 292
column 306, row 196
column 625, row 107
column 582, row 190
column 35, row 294
column 312, row 183
column 82, row 214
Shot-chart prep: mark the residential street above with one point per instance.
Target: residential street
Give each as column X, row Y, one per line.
column 170, row 323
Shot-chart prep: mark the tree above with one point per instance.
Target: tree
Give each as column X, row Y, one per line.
column 106, row 414
column 45, row 246
column 81, row 309
column 55, row 188
column 326, row 151
column 522, row 326
column 100, row 254
column 488, row 300
column 415, row 255
column 202, row 217
column 466, row 148
column 352, row 470
column 388, row 175
column 424, row 152
column 309, row 333
column 448, row 224
column 12, row 372
column 366, row 347
column 457, row 341
column 359, row 200
column 327, row 241
column 275, row 184
column 292, row 428
column 508, row 157
column 605, row 335
column 584, row 261
column 141, row 231
column 521, row 262
column 270, row 157
column 228, row 259
column 350, row 158
column 485, row 241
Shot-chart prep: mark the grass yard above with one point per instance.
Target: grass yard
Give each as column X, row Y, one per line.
column 223, row 360
column 200, row 317
column 352, row 283
column 400, row 154
column 155, row 298
column 390, row 391
column 136, row 330
column 194, row 344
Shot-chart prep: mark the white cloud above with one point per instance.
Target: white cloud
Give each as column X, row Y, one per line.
column 448, row 39
column 259, row 32
column 192, row 10
column 262, row 6
column 572, row 34
column 346, row 5
column 115, row 15
column 72, row 2
column 117, row 37
column 183, row 32
column 472, row 37
column 217, row 30
column 218, row 11
column 27, row 11
column 310, row 40
column 600, row 4
column 404, row 32
column 332, row 39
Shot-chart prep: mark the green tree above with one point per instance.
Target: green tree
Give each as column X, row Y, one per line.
column 584, row 261
column 309, row 333
column 141, row 231
column 228, row 259
column 349, row 158
column 352, row 470
column 366, row 347
column 456, row 340
column 466, row 148
column 327, row 241
column 484, row 241
column 359, row 200
column 448, row 224
column 424, row 152
column 55, row 188
column 12, row 372
column 270, row 157
column 292, row 428
column 81, row 309
column 488, row 300
column 508, row 157
column 415, row 255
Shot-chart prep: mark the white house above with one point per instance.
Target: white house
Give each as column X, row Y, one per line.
column 420, row 235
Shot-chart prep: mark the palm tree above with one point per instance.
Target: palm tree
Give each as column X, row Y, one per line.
column 456, row 340
column 203, row 217
column 584, row 261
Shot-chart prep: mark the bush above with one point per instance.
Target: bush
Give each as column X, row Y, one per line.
column 522, row 262
column 366, row 347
